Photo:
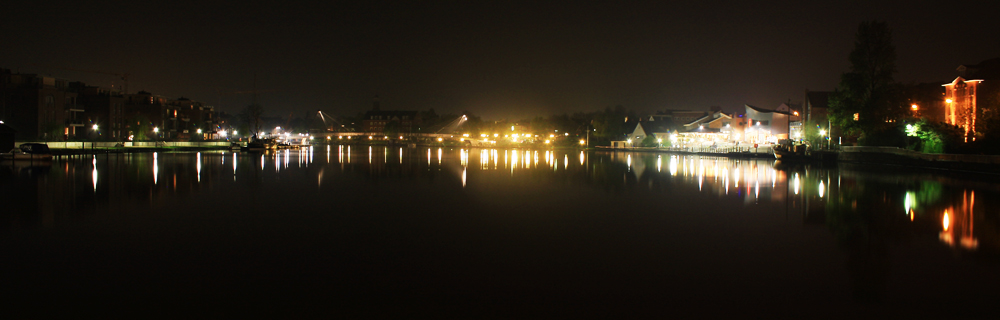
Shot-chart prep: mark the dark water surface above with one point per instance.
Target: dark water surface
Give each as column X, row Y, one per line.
column 374, row 232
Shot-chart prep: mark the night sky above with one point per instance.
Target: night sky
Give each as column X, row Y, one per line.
column 496, row 60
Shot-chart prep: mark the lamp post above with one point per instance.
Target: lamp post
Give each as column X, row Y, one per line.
column 822, row 133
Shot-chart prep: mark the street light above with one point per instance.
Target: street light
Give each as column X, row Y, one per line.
column 95, row 127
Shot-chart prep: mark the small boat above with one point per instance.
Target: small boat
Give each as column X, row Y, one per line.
column 29, row 152
column 791, row 153
column 259, row 145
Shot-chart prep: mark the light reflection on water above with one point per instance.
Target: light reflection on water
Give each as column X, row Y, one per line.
column 859, row 206
column 747, row 179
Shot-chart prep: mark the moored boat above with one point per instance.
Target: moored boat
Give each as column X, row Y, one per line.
column 29, row 152
column 259, row 145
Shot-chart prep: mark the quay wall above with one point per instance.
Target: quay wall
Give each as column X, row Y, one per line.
column 903, row 157
column 130, row 144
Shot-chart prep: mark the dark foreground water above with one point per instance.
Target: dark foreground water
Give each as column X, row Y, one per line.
column 375, row 232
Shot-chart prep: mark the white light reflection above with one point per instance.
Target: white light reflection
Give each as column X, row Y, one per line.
column 796, row 183
column 672, row 165
column 439, row 156
column 756, row 190
column 95, row 173
column 156, row 168
column 198, row 165
column 822, row 189
column 581, row 158
column 513, row 161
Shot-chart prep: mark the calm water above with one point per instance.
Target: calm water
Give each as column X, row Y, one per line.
column 376, row 232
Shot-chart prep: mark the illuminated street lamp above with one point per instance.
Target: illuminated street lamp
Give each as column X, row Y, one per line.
column 94, row 127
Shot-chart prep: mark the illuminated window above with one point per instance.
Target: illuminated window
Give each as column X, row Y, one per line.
column 856, row 117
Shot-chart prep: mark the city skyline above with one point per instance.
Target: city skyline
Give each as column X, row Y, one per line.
column 508, row 61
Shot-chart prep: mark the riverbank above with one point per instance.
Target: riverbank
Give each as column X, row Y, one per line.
column 69, row 148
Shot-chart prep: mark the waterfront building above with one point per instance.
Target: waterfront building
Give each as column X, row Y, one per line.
column 40, row 107
column 972, row 95
column 379, row 123
column 710, row 130
column 146, row 115
column 104, row 108
column 769, row 126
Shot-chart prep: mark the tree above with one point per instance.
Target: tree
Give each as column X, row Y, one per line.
column 867, row 101
column 650, row 141
column 253, row 115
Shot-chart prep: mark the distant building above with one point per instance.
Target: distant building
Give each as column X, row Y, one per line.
column 147, row 112
column 816, row 107
column 106, row 109
column 190, row 120
column 377, row 122
column 675, row 119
